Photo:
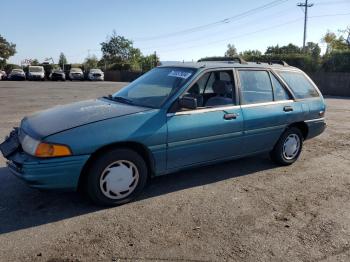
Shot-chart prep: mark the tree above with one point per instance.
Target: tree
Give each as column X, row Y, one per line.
column 288, row 49
column 7, row 49
column 34, row 62
column 91, row 62
column 314, row 50
column 149, row 62
column 329, row 38
column 231, row 51
column 117, row 49
column 62, row 60
column 250, row 54
column 335, row 43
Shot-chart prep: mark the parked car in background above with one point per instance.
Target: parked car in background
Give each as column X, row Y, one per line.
column 36, row 73
column 76, row 74
column 58, row 75
column 171, row 118
column 17, row 74
column 96, row 74
column 3, row 75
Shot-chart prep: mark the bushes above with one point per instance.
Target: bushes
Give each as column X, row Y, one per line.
column 337, row 61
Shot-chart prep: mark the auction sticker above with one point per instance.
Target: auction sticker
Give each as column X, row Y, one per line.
column 180, row 74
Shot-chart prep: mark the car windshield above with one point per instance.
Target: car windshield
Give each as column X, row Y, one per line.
column 95, row 71
column 76, row 70
column 153, row 88
column 36, row 69
column 17, row 70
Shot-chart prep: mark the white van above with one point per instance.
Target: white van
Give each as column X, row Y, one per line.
column 36, row 73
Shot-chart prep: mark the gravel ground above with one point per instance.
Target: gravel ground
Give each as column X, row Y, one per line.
column 244, row 210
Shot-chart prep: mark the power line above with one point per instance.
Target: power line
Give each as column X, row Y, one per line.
column 255, row 32
column 217, row 23
column 306, row 5
column 196, row 39
column 333, row 3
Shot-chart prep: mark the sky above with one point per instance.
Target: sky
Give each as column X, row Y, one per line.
column 176, row 29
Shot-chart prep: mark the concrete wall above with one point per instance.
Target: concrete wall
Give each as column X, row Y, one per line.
column 332, row 84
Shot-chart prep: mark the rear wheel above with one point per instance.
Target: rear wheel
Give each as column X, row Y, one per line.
column 288, row 147
column 116, row 177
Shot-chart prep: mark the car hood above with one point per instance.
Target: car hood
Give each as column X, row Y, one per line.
column 61, row 118
column 36, row 73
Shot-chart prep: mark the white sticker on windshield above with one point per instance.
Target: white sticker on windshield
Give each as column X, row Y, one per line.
column 180, row 74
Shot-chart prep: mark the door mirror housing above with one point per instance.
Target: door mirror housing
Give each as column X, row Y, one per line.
column 188, row 103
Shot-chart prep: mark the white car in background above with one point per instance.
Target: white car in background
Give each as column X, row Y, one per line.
column 2, row 75
column 96, row 74
column 76, row 74
column 36, row 73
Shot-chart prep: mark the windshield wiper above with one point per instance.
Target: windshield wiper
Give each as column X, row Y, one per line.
column 119, row 99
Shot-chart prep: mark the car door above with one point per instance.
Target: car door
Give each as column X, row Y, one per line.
column 267, row 108
column 207, row 133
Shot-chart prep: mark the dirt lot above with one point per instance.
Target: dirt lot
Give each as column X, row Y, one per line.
column 244, row 210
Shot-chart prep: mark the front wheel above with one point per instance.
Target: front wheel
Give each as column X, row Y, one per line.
column 116, row 177
column 288, row 148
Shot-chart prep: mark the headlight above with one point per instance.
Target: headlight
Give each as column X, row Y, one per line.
column 41, row 149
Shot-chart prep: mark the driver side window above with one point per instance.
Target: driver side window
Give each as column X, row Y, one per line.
column 213, row 89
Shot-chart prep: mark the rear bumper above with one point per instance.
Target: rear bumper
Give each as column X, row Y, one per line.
column 59, row 173
column 315, row 127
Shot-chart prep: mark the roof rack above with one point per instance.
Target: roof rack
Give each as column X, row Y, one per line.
column 229, row 60
column 274, row 62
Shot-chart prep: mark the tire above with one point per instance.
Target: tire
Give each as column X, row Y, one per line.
column 116, row 177
column 288, row 148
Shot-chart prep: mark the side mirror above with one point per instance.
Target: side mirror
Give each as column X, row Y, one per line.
column 188, row 103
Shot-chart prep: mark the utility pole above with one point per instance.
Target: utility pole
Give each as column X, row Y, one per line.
column 306, row 5
column 155, row 59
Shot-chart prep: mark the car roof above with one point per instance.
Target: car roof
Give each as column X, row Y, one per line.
column 228, row 65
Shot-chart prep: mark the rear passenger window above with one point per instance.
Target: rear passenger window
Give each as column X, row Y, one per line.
column 300, row 85
column 278, row 90
column 255, row 87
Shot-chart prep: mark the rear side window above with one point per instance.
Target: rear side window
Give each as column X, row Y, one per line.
column 255, row 87
column 278, row 90
column 300, row 85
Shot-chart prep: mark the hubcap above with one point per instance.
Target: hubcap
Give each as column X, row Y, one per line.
column 119, row 179
column 291, row 146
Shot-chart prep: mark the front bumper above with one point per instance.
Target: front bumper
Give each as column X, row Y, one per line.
column 35, row 77
column 54, row 173
column 76, row 77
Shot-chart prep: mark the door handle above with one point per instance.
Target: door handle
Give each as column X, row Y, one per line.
column 287, row 109
column 230, row 116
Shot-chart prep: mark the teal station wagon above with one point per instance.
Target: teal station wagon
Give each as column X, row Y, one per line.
column 171, row 118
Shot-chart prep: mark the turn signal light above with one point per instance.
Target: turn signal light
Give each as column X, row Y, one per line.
column 52, row 150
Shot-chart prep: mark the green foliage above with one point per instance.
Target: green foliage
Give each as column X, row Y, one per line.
column 337, row 61
column 335, row 43
column 90, row 62
column 231, row 51
column 9, row 67
column 7, row 49
column 149, row 62
column 62, row 60
column 288, row 49
column 117, row 49
column 248, row 55
column 35, row 62
column 118, row 53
